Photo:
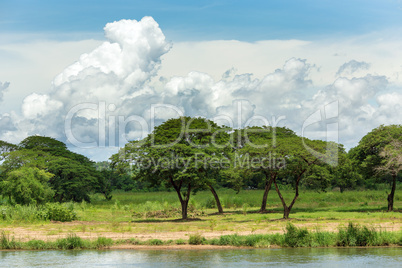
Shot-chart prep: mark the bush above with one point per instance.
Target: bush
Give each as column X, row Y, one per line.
column 72, row 241
column 37, row 244
column 354, row 235
column 196, row 239
column 57, row 212
column 103, row 242
column 155, row 242
column 297, row 237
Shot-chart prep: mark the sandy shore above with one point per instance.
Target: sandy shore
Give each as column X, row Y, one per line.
column 58, row 230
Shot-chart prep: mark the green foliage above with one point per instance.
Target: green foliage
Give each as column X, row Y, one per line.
column 368, row 152
column 32, row 213
column 72, row 241
column 8, row 243
column 318, row 178
column 27, row 185
column 103, row 242
column 180, row 242
column 18, row 213
column 346, row 174
column 72, row 180
column 297, row 237
column 355, row 235
column 155, row 242
column 57, row 212
column 196, row 239
column 37, row 245
column 74, row 175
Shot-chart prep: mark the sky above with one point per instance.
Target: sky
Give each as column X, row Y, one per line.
column 96, row 74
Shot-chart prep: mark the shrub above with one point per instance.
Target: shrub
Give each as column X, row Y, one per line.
column 354, row 235
column 72, row 241
column 297, row 237
column 155, row 242
column 196, row 239
column 102, row 242
column 37, row 244
column 57, row 212
column 180, row 242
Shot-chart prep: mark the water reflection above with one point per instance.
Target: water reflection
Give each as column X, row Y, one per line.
column 314, row 257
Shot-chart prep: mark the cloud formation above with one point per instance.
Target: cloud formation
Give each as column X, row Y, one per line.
column 352, row 67
column 114, row 93
column 3, row 87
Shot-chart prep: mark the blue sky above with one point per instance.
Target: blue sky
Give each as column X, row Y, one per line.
column 273, row 59
column 207, row 20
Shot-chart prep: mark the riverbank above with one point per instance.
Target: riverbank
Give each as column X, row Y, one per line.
column 293, row 236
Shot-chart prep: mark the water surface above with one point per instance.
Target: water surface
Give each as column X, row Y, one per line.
column 304, row 257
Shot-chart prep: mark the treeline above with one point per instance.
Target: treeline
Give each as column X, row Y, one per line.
column 192, row 154
column 42, row 169
column 187, row 155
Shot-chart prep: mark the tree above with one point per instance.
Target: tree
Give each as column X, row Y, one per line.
column 257, row 154
column 346, row 175
column 318, row 178
column 378, row 153
column 181, row 153
column 6, row 147
column 72, row 181
column 299, row 160
column 392, row 164
column 75, row 176
column 27, row 185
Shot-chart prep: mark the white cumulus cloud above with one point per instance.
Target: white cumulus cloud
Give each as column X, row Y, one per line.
column 110, row 93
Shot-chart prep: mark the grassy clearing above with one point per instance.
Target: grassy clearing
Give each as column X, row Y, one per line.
column 130, row 214
column 353, row 235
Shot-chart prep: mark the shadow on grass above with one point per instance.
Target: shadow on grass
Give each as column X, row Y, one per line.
column 165, row 220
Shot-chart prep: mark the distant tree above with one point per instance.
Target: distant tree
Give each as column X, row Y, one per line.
column 42, row 143
column 257, row 155
column 72, row 181
column 378, row 153
column 346, row 175
column 75, row 176
column 299, row 160
column 27, row 185
column 318, row 178
column 6, row 147
column 392, row 165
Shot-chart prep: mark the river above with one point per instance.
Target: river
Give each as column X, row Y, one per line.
column 284, row 257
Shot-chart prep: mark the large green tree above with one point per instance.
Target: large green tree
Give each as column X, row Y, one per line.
column 182, row 153
column 378, row 153
column 256, row 154
column 299, row 160
column 74, row 175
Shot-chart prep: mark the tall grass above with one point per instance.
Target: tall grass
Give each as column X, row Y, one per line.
column 353, row 235
column 33, row 213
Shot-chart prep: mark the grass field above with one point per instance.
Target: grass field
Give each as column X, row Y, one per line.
column 145, row 216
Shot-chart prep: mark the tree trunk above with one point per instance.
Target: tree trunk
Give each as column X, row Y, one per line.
column 184, row 207
column 391, row 195
column 286, row 210
column 268, row 184
column 218, row 202
column 183, row 201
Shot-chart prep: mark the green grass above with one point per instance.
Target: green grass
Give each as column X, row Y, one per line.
column 138, row 213
column 351, row 236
